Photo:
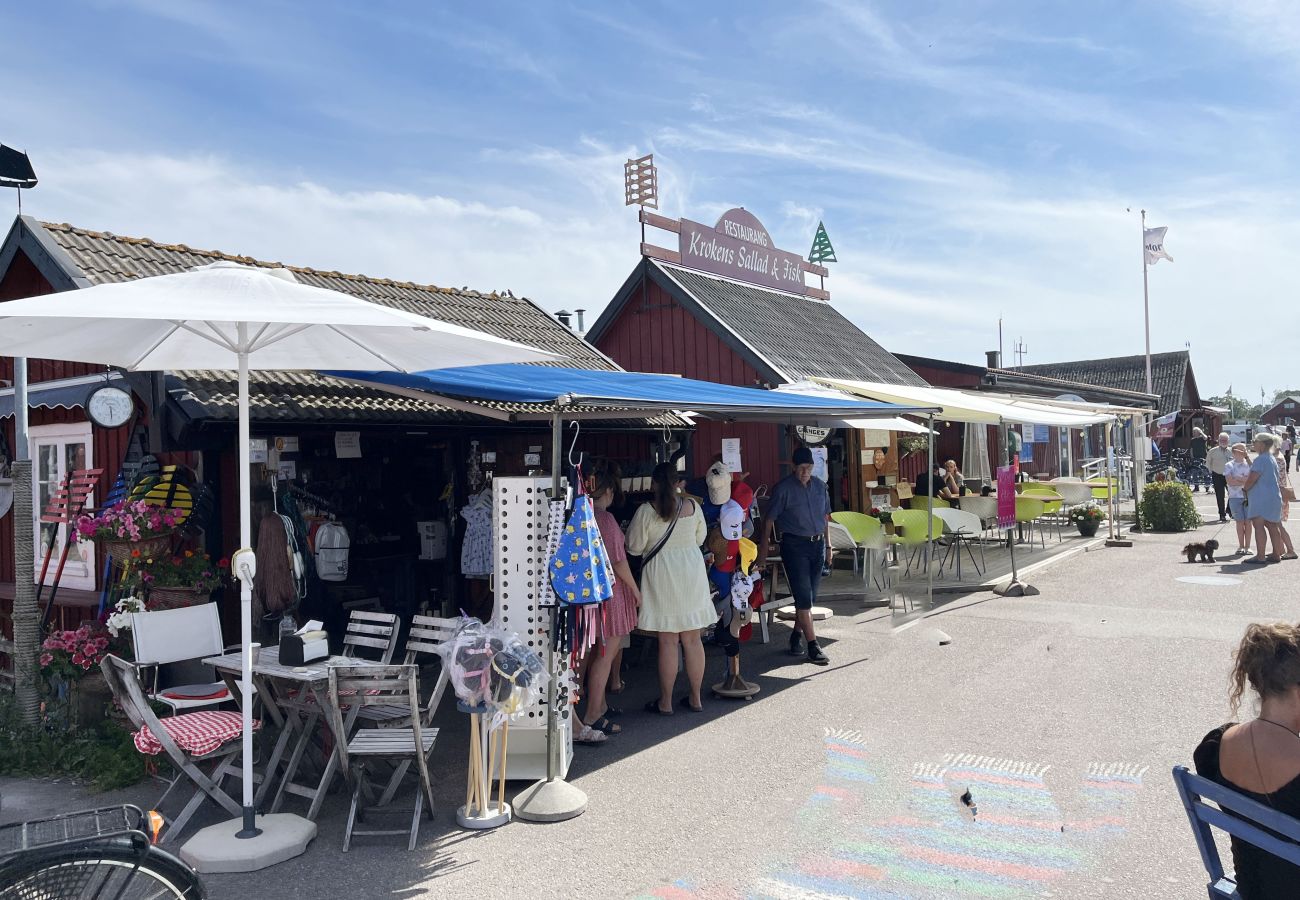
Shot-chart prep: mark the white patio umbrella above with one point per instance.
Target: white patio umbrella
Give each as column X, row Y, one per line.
column 224, row 316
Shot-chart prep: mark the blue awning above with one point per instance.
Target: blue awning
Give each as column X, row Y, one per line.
column 553, row 388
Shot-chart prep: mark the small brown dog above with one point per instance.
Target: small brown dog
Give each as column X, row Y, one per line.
column 1204, row 550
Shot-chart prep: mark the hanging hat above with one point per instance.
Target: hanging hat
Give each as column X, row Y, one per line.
column 731, row 520
column 743, row 494
column 719, row 481
column 748, row 553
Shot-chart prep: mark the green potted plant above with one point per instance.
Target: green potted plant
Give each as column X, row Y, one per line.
column 70, row 662
column 1088, row 518
column 181, row 579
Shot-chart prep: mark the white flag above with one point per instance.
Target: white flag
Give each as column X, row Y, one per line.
column 1154, row 240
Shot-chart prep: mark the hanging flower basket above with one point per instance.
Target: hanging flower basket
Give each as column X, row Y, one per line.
column 131, row 531
column 176, row 597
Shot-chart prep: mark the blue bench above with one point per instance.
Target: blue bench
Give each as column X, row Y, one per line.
column 1238, row 815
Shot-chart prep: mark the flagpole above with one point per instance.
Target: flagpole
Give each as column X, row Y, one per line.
column 1146, row 300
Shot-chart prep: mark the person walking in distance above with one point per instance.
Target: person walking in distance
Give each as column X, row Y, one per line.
column 1199, row 449
column 1217, row 459
column 801, row 509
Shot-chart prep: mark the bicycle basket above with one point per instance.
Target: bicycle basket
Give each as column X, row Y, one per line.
column 82, row 827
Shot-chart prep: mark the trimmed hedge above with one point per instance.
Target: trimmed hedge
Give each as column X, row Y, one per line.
column 1168, row 506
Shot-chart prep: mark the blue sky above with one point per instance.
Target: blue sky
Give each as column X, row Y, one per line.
column 970, row 160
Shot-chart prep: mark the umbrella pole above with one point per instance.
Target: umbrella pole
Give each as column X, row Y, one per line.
column 246, row 569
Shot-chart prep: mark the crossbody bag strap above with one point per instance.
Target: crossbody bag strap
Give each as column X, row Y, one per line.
column 653, row 551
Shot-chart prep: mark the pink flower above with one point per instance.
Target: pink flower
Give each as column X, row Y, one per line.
column 86, row 664
column 78, row 659
column 46, row 659
column 88, row 649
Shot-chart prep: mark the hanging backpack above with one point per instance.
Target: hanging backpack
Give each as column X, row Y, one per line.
column 332, row 545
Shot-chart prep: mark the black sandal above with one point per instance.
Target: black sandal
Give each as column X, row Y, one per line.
column 686, row 702
column 652, row 706
column 605, row 725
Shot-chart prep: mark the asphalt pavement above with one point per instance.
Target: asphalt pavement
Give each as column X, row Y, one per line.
column 1057, row 717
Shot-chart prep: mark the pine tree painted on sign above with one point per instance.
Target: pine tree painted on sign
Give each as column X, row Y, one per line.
column 821, row 251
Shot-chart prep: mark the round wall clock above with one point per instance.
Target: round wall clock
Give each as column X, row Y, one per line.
column 109, row 407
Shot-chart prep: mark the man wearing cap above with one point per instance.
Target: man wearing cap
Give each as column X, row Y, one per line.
column 801, row 508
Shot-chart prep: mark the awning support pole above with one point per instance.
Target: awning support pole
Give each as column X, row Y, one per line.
column 929, row 519
column 552, row 799
column 1112, row 483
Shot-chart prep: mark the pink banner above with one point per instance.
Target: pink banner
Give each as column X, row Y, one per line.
column 1006, row 496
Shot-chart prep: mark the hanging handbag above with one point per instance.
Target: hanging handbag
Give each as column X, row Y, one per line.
column 1288, row 493
column 637, row 563
column 580, row 569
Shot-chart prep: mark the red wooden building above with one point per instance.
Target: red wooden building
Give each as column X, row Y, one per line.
column 672, row 319
column 416, row 452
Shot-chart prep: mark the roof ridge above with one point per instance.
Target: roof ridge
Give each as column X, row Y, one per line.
column 251, row 260
column 1109, row 359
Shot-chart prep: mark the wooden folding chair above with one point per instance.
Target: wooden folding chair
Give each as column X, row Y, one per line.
column 190, row 740
column 382, row 686
column 422, row 641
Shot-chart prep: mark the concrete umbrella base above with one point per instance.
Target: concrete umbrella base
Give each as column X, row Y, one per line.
column 215, row 849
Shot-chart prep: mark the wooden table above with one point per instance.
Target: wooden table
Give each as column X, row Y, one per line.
column 269, row 678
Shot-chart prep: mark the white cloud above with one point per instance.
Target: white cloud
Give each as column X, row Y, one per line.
column 572, row 256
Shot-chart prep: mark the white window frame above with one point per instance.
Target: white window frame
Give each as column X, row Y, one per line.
column 78, row 574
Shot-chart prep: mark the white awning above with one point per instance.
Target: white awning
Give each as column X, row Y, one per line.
column 885, row 423
column 968, row 406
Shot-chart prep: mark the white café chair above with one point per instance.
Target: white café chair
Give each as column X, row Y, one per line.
column 963, row 527
column 842, row 540
column 168, row 636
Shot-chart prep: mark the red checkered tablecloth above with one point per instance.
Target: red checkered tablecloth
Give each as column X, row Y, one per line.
column 196, row 733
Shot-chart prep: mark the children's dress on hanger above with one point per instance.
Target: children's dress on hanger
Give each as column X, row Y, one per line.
column 476, row 550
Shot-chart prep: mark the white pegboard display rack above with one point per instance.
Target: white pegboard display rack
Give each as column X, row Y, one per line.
column 520, row 507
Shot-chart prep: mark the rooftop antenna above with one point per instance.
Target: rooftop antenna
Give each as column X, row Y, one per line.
column 16, row 172
column 1021, row 351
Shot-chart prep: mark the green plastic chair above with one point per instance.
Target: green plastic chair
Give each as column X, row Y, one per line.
column 860, row 525
column 867, row 533
column 1103, row 487
column 1029, row 511
column 919, row 503
column 913, row 525
column 1053, row 510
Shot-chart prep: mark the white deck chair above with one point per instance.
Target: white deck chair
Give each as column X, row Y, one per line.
column 170, row 636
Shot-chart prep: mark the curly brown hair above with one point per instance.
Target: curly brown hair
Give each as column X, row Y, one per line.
column 1268, row 657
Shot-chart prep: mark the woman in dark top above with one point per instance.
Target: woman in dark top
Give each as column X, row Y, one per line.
column 1261, row 758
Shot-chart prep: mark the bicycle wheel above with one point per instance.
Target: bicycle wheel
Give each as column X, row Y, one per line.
column 100, row 873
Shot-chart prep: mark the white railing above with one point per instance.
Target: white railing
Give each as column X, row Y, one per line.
column 1098, row 468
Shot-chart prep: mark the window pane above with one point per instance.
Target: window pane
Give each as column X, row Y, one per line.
column 74, row 457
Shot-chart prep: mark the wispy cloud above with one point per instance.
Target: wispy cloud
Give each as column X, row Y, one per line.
column 985, row 90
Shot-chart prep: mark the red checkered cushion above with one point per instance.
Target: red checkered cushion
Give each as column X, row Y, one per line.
column 196, row 733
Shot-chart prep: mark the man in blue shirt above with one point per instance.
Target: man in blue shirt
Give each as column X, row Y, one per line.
column 801, row 509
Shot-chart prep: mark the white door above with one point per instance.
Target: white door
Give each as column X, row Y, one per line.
column 57, row 450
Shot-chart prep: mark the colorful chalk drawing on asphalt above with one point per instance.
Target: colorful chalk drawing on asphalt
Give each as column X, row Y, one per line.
column 1011, row 840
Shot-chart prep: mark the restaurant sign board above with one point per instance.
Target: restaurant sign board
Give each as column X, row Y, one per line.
column 739, row 247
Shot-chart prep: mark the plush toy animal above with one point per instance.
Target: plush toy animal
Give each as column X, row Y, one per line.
column 1204, row 550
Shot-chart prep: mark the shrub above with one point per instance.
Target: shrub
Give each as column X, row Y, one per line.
column 1168, row 506
column 103, row 755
